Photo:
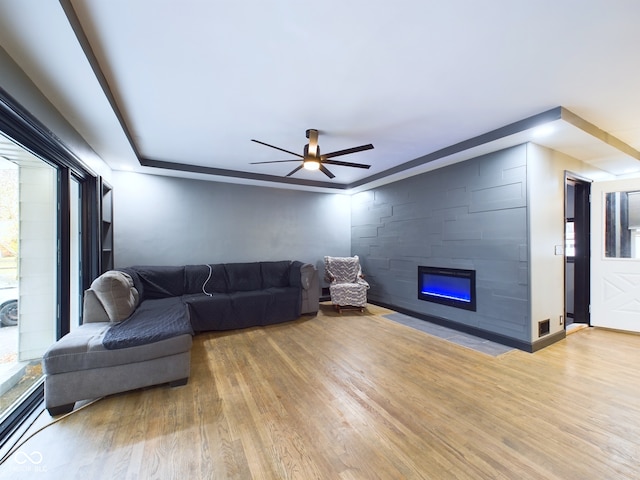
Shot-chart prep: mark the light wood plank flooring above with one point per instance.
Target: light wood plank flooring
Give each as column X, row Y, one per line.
column 357, row 396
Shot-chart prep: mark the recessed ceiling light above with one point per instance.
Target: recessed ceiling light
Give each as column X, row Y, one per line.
column 543, row 131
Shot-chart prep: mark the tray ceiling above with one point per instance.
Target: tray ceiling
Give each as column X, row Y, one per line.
column 182, row 87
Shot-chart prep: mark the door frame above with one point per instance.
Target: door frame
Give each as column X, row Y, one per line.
column 582, row 259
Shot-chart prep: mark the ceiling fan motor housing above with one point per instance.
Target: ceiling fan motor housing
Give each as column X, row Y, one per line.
column 308, row 155
column 311, row 158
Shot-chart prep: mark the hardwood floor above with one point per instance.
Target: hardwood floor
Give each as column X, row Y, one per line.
column 358, row 396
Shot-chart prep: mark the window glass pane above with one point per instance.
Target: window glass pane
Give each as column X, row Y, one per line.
column 28, row 270
column 622, row 225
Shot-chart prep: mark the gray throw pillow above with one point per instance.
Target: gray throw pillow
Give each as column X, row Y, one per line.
column 117, row 294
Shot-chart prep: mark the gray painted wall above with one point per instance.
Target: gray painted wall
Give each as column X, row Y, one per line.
column 177, row 221
column 471, row 215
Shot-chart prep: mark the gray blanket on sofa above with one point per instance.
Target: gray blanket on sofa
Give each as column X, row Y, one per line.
column 153, row 320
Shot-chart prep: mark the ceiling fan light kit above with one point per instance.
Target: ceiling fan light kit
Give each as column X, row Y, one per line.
column 311, row 158
column 312, row 165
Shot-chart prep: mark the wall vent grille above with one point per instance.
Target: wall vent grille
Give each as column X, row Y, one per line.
column 544, row 327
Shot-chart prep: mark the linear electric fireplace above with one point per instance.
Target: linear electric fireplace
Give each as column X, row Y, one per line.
column 448, row 286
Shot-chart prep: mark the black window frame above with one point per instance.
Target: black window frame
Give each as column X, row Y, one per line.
column 25, row 130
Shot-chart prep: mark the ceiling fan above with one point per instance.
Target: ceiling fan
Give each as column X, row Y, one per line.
column 312, row 160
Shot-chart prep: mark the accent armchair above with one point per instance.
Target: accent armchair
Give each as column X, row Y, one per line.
column 347, row 286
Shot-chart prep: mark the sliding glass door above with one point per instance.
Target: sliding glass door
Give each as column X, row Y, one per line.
column 49, row 252
column 29, row 233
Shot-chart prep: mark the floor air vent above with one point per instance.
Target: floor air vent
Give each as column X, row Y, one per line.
column 543, row 327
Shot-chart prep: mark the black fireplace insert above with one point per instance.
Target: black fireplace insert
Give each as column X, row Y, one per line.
column 448, row 286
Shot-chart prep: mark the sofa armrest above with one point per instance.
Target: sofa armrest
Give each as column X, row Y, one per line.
column 310, row 288
column 307, row 272
column 92, row 309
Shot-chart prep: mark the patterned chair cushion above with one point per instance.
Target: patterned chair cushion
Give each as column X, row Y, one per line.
column 342, row 269
column 346, row 288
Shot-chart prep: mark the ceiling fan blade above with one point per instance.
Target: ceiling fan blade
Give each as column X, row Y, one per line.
column 326, row 171
column 277, row 148
column 312, row 148
column 275, row 161
column 347, row 151
column 345, row 164
column 293, row 171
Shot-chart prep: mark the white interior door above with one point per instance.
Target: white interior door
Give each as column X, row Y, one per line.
column 615, row 255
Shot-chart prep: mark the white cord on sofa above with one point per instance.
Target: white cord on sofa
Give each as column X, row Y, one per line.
column 205, row 282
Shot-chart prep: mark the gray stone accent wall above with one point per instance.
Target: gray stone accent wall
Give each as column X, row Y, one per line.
column 470, row 215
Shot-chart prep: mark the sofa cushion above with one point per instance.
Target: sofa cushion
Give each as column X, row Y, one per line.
column 243, row 277
column 295, row 272
column 159, row 282
column 250, row 308
column 215, row 280
column 82, row 349
column 275, row 274
column 154, row 320
column 210, row 312
column 116, row 293
column 284, row 304
column 194, row 278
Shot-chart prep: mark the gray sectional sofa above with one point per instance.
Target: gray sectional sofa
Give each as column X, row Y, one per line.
column 138, row 323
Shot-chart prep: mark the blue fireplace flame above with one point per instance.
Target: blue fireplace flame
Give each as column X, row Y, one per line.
column 454, row 288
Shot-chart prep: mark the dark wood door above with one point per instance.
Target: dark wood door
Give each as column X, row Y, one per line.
column 578, row 255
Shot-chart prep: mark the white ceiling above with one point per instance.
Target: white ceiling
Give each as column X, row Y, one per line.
column 193, row 81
